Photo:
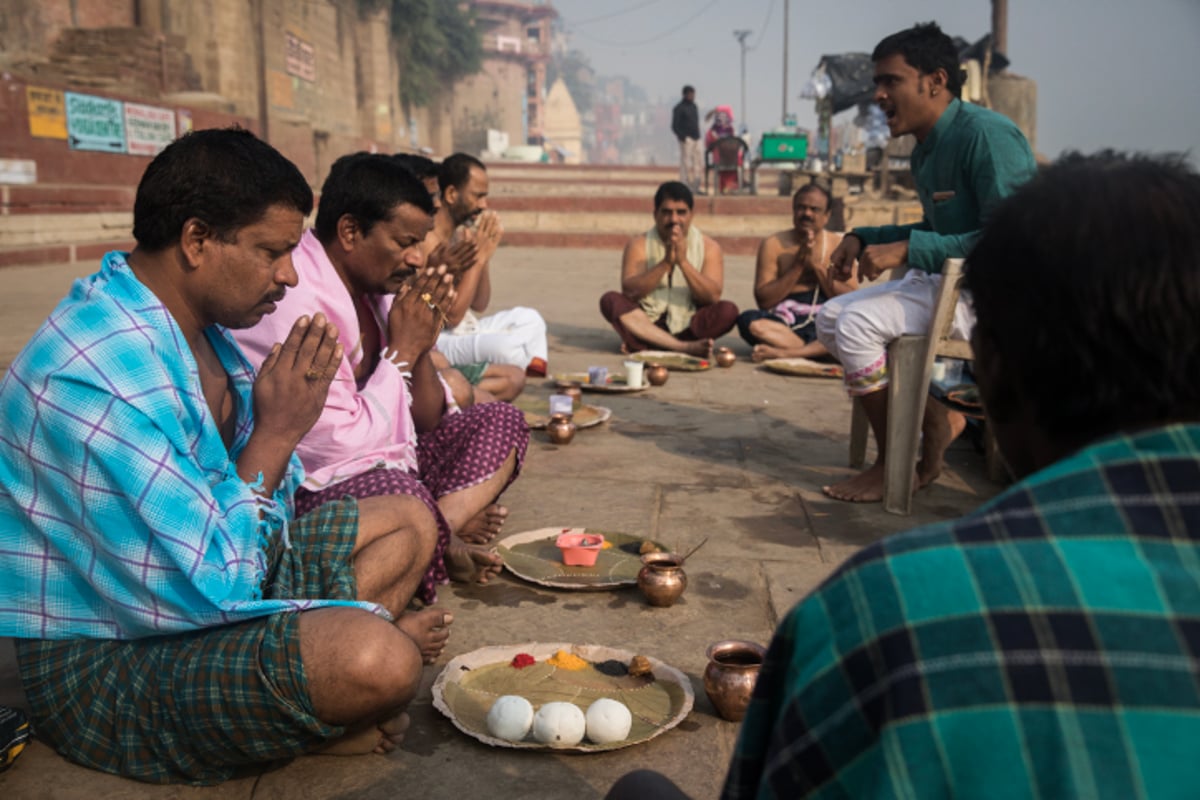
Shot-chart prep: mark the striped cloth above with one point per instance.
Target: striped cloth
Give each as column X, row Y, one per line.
column 121, row 513
column 1046, row 645
column 202, row 706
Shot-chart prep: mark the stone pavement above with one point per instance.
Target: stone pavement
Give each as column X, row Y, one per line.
column 736, row 455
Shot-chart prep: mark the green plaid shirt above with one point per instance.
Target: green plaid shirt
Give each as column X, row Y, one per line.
column 1046, row 645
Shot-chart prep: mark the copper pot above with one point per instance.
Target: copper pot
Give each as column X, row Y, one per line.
column 729, row 678
column 656, row 374
column 662, row 578
column 575, row 392
column 725, row 357
column 561, row 429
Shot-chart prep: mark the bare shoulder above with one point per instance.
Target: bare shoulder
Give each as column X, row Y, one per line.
column 634, row 254
column 779, row 240
column 711, row 246
column 636, row 247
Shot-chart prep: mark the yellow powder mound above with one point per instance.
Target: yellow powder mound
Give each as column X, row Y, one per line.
column 564, row 660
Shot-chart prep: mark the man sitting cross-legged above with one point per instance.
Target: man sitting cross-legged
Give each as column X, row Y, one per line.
column 476, row 381
column 671, row 283
column 791, row 280
column 170, row 620
column 513, row 336
column 387, row 428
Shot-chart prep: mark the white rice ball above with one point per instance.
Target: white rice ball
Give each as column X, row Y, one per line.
column 560, row 724
column 608, row 721
column 510, row 718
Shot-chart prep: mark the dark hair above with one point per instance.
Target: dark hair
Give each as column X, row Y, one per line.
column 673, row 190
column 420, row 166
column 814, row 187
column 226, row 177
column 368, row 187
column 927, row 50
column 689, row 88
column 456, row 171
column 1086, row 285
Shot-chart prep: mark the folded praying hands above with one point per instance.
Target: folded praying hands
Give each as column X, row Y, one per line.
column 290, row 390
column 418, row 312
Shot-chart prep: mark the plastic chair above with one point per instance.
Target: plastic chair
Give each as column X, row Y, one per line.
column 910, row 368
column 726, row 153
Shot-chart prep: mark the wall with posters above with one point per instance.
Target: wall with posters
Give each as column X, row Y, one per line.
column 321, row 79
column 36, row 123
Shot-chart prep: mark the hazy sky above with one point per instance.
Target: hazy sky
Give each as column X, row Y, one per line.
column 1110, row 73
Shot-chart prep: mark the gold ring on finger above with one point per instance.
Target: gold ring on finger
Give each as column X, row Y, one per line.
column 314, row 375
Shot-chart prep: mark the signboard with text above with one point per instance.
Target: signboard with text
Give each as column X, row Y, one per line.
column 95, row 123
column 148, row 129
column 47, row 112
column 300, row 57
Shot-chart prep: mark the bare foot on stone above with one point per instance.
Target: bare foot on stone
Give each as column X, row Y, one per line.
column 865, row 487
column 391, row 733
column 485, row 525
column 762, row 352
column 381, row 738
column 468, row 563
column 429, row 629
column 938, row 436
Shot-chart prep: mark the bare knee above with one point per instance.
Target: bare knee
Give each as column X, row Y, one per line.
column 507, row 381
column 397, row 514
column 759, row 327
column 357, row 665
column 387, row 668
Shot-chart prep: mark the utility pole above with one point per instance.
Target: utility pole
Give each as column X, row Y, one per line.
column 786, row 3
column 741, row 37
column 999, row 26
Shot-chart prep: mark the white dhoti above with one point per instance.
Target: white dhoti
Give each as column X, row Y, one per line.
column 514, row 336
column 857, row 327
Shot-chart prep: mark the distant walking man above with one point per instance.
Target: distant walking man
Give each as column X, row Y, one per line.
column 685, row 123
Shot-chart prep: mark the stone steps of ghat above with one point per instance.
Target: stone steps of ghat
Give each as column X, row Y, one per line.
column 541, row 205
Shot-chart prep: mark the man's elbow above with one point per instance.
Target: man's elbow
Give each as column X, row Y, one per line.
column 631, row 292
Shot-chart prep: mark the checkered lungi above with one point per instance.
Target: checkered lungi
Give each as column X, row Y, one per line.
column 203, row 706
column 465, row 449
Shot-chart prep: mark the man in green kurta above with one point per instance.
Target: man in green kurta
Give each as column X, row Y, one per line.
column 966, row 161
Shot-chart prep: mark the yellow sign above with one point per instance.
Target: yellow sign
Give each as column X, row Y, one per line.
column 279, row 89
column 47, row 112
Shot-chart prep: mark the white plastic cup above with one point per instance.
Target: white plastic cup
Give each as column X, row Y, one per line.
column 597, row 376
column 634, row 371
column 561, row 404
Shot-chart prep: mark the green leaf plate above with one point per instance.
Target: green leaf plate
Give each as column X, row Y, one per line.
column 680, row 362
column 537, row 410
column 802, row 367
column 616, row 383
column 532, row 555
column 469, row 685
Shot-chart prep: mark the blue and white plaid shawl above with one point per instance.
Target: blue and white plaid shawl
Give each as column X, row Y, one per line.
column 121, row 513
